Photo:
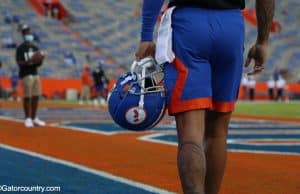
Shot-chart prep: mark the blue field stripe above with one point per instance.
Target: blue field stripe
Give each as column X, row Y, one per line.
column 265, row 128
column 106, row 127
column 264, row 136
column 172, row 138
column 269, row 148
column 22, row 170
column 263, row 125
column 260, row 122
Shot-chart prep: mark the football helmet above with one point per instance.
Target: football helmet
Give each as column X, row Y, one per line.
column 137, row 100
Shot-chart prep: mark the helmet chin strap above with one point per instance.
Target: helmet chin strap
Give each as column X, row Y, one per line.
column 141, row 102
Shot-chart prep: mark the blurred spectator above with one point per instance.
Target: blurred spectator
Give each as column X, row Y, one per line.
column 9, row 42
column 51, row 9
column 280, row 84
column 47, row 7
column 69, row 59
column 16, row 18
column 100, row 85
column 7, row 19
column 245, row 86
column 55, row 11
column 276, row 74
column 252, row 84
column 88, row 58
column 271, row 88
column 87, row 83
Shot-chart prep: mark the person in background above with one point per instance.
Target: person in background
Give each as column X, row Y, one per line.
column 271, row 88
column 280, row 85
column 47, row 4
column 276, row 74
column 69, row 59
column 7, row 18
column 100, row 85
column 29, row 58
column 252, row 84
column 87, row 83
column 9, row 42
column 244, row 84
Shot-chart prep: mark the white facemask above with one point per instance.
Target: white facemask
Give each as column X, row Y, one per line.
column 29, row 37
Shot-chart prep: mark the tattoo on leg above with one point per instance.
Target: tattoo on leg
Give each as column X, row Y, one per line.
column 191, row 166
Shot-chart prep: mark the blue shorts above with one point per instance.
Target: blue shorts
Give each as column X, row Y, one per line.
column 207, row 70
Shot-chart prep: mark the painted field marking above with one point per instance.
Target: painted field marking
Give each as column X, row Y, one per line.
column 159, row 138
column 86, row 169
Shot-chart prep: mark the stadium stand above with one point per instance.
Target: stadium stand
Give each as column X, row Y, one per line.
column 109, row 31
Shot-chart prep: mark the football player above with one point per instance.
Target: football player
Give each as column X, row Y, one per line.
column 202, row 76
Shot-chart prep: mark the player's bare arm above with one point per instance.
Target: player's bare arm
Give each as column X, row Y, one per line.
column 258, row 52
column 151, row 10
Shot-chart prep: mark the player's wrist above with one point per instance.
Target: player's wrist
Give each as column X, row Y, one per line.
column 262, row 42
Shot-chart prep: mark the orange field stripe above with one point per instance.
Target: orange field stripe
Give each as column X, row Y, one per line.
column 121, row 155
column 152, row 163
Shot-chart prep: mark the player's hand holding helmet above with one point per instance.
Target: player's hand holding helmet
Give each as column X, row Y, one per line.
column 137, row 101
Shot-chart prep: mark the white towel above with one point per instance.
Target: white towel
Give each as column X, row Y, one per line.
column 164, row 52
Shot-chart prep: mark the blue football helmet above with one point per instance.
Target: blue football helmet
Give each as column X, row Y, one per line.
column 137, row 100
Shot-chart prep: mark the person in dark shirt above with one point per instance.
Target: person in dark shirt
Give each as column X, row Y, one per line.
column 202, row 42
column 100, row 85
column 29, row 59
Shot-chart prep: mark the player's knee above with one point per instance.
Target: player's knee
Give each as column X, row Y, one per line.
column 216, row 124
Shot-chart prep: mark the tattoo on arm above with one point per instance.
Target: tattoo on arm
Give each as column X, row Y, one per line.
column 264, row 14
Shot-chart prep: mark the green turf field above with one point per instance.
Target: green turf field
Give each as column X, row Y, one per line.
column 257, row 108
column 263, row 108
